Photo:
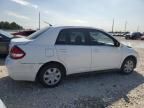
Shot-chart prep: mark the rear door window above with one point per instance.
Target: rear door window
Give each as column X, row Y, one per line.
column 62, row 38
column 72, row 37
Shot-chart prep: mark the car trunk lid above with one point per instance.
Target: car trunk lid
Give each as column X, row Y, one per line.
column 19, row 41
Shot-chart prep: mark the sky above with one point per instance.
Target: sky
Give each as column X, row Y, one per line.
column 94, row 13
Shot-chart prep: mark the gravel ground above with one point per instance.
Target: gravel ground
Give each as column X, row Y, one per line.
column 95, row 90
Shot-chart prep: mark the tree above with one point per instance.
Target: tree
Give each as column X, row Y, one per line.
column 10, row 26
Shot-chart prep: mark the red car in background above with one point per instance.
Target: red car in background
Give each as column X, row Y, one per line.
column 24, row 33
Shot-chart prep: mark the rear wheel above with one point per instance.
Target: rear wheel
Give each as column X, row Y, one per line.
column 128, row 66
column 51, row 75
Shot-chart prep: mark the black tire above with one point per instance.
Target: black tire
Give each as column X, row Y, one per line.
column 124, row 67
column 45, row 81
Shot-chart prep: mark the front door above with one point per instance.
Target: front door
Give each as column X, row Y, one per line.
column 105, row 55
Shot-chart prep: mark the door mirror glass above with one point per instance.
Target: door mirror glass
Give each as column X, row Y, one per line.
column 117, row 44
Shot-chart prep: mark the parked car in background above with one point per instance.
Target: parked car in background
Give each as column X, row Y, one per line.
column 127, row 34
column 121, row 34
column 142, row 37
column 54, row 52
column 5, row 39
column 4, row 42
column 134, row 36
column 24, row 33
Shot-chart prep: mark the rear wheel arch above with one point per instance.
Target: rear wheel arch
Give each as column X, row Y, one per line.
column 50, row 63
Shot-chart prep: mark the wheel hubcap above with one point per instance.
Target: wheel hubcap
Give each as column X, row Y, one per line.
column 129, row 66
column 52, row 76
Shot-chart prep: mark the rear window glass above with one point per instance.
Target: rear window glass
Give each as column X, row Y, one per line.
column 37, row 33
column 72, row 37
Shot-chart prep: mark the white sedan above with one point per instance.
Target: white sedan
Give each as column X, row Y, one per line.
column 54, row 52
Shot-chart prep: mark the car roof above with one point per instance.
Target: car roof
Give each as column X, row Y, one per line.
column 85, row 27
column 43, row 38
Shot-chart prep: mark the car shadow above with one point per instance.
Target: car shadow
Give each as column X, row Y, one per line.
column 91, row 90
column 105, row 88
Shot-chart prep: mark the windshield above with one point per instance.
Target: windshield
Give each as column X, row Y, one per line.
column 37, row 33
column 6, row 34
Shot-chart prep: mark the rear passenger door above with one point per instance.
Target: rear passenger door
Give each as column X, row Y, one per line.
column 73, row 49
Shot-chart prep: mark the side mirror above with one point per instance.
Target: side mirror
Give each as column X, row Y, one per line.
column 117, row 44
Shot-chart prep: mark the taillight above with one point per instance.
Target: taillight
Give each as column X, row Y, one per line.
column 16, row 53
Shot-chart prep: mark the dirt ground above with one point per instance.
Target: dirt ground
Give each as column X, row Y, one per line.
column 95, row 90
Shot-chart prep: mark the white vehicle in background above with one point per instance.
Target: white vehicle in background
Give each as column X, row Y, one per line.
column 52, row 53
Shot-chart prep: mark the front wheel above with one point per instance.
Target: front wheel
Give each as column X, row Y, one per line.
column 128, row 66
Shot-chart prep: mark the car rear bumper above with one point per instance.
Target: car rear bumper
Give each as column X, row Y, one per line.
column 19, row 71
